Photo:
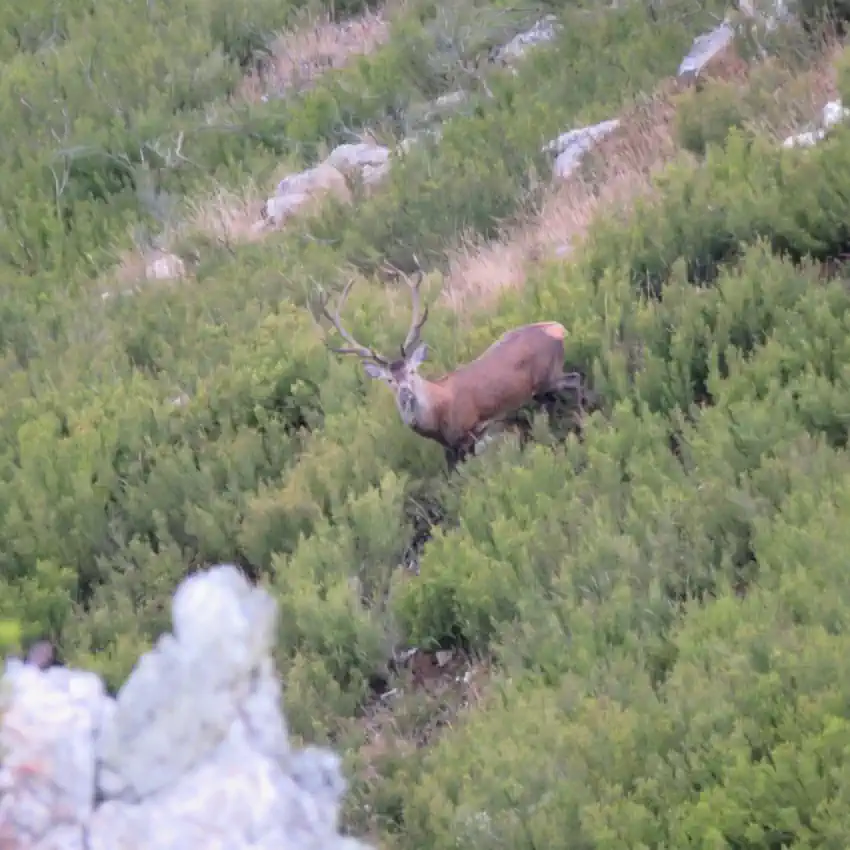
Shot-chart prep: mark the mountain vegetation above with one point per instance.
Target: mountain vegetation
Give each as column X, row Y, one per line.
column 634, row 631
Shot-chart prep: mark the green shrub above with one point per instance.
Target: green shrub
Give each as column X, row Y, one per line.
column 725, row 749
column 747, row 190
column 705, row 118
column 661, row 603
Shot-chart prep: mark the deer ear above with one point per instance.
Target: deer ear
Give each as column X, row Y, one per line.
column 418, row 357
column 373, row 370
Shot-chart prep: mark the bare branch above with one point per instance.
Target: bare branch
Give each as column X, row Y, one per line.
column 169, row 157
column 60, row 184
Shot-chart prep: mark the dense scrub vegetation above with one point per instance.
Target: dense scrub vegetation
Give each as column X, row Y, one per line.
column 663, row 603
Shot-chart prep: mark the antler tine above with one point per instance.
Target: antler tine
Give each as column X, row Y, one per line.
column 362, row 351
column 416, row 321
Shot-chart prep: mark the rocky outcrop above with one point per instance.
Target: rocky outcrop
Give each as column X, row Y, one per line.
column 749, row 17
column 544, row 30
column 192, row 754
column 570, row 147
column 704, row 50
column 368, row 161
column 371, row 163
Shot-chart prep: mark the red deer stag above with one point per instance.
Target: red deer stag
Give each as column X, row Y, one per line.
column 455, row 410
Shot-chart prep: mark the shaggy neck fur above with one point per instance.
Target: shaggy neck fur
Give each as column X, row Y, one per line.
column 421, row 414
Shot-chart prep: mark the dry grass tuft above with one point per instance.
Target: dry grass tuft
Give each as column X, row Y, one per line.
column 620, row 170
column 624, row 165
column 301, row 56
column 802, row 97
column 225, row 216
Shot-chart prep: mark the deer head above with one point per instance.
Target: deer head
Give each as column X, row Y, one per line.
column 400, row 375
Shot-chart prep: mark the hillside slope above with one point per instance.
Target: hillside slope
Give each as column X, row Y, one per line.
column 625, row 638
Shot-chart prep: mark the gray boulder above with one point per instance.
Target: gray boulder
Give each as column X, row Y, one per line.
column 704, row 49
column 570, row 147
column 544, row 30
column 193, row 753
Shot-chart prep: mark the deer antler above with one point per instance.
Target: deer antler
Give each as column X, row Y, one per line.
column 416, row 321
column 362, row 351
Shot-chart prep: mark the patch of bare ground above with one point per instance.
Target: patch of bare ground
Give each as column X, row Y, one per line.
column 619, row 171
column 301, row 56
column 431, row 693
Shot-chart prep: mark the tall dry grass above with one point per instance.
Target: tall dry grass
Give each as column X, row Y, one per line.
column 619, row 170
column 613, row 176
column 301, row 56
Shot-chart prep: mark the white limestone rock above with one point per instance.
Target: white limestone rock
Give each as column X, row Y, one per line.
column 705, row 48
column 543, row 31
column 321, row 178
column 193, row 754
column 347, row 158
column 163, row 266
column 572, row 146
column 50, row 720
column 832, row 114
column 184, row 697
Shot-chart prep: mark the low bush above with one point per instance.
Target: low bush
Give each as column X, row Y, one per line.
column 743, row 743
column 661, row 600
column 746, row 190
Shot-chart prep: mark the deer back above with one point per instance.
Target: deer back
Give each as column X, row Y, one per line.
column 522, row 363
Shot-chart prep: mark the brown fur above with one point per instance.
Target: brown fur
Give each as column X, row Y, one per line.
column 524, row 363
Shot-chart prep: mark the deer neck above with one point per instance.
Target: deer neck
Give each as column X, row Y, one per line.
column 424, row 417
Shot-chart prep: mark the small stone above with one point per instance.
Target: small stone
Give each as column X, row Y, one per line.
column 281, row 207
column 165, row 267
column 444, row 655
column 347, row 158
column 543, row 31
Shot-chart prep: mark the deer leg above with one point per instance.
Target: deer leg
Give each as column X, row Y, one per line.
column 479, row 438
column 568, row 381
column 451, row 459
column 519, row 424
column 457, row 454
column 573, row 381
